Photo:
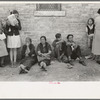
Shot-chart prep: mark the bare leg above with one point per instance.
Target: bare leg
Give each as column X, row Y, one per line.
column 22, row 69
column 2, row 60
column 11, row 55
column 43, row 66
column 15, row 55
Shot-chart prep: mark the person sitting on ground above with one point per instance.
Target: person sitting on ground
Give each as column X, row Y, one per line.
column 73, row 51
column 44, row 53
column 58, row 47
column 29, row 57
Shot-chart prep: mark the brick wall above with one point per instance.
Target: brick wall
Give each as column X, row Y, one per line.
column 73, row 22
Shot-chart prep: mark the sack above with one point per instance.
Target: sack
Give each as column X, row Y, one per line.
column 12, row 19
column 2, row 36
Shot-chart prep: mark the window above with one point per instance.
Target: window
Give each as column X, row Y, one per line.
column 49, row 10
column 48, row 7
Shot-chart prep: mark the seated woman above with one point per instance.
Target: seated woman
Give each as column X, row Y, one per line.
column 29, row 57
column 73, row 51
column 44, row 53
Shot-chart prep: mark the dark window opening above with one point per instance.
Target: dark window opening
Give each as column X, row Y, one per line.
column 48, row 7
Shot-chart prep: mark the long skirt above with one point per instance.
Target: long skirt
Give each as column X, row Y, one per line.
column 46, row 60
column 28, row 62
column 3, row 49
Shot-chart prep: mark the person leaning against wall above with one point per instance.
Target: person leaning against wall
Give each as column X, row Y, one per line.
column 13, row 36
column 90, row 28
column 44, row 53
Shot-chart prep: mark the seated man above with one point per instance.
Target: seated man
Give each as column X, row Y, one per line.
column 58, row 47
column 73, row 51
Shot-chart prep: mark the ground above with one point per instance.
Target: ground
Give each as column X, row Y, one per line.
column 56, row 72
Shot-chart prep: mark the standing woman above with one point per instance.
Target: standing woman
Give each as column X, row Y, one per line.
column 96, row 40
column 13, row 37
column 3, row 49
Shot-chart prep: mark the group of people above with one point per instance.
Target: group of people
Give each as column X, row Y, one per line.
column 63, row 50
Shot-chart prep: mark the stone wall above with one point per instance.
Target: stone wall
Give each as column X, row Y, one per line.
column 74, row 21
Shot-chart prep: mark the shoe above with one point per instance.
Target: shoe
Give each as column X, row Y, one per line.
column 98, row 62
column 1, row 65
column 43, row 69
column 26, row 70
column 59, row 60
column 71, row 63
column 69, row 67
column 82, row 62
column 23, row 71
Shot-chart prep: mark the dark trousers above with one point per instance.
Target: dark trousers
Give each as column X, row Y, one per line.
column 73, row 53
column 57, row 51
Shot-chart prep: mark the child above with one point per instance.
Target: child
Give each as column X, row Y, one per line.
column 90, row 28
column 73, row 51
column 3, row 50
column 58, row 45
column 28, row 56
column 44, row 53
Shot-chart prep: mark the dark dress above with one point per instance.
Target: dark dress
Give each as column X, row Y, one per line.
column 90, row 31
column 44, row 49
column 31, row 59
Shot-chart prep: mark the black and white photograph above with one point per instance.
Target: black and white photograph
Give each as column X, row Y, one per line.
column 49, row 41
column 49, row 49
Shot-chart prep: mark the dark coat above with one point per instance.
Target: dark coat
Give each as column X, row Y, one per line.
column 44, row 49
column 14, row 30
column 91, row 31
column 32, row 51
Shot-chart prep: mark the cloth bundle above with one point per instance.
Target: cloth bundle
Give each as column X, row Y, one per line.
column 2, row 36
column 12, row 19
